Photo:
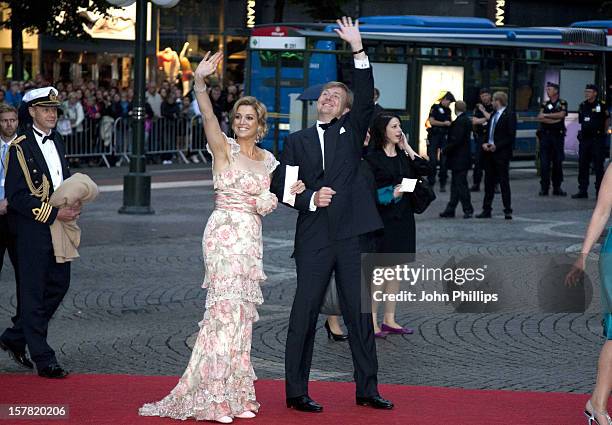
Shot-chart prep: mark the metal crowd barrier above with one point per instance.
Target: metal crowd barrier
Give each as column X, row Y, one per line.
column 198, row 139
column 164, row 137
column 175, row 137
column 88, row 143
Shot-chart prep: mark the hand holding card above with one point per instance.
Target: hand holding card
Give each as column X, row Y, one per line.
column 291, row 176
column 408, row 185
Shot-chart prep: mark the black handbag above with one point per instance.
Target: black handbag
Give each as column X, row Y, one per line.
column 422, row 196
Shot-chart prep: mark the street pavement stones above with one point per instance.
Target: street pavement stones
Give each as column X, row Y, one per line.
column 136, row 299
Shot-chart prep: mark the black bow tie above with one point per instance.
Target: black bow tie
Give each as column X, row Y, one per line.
column 325, row 126
column 45, row 138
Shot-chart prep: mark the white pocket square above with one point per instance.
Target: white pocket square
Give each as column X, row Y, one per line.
column 342, row 130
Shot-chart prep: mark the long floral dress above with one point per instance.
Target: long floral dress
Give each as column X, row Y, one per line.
column 219, row 378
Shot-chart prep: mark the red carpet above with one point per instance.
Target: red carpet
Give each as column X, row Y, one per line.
column 115, row 399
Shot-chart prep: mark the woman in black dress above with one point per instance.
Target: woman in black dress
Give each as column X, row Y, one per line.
column 392, row 160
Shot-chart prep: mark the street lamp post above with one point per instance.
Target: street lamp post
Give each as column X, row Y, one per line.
column 137, row 183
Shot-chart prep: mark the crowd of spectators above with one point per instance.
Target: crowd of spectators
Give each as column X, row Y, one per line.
column 89, row 111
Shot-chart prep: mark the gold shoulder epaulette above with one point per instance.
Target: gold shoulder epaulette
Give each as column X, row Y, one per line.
column 6, row 158
column 41, row 192
column 18, row 140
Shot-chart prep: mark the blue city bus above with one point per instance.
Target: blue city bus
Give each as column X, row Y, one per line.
column 416, row 58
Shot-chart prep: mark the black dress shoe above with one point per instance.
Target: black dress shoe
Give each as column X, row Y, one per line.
column 304, row 404
column 475, row 188
column 508, row 216
column 543, row 192
column 53, row 371
column 377, row 402
column 468, row 215
column 447, row 214
column 20, row 357
column 559, row 192
column 580, row 195
column 484, row 214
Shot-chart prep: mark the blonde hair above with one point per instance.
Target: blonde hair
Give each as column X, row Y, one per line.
column 260, row 111
column 501, row 96
column 349, row 94
column 4, row 108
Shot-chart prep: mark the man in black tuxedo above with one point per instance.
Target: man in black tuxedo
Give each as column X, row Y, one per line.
column 459, row 161
column 497, row 153
column 334, row 210
column 35, row 168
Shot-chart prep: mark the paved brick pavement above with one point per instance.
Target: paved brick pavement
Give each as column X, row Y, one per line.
column 135, row 299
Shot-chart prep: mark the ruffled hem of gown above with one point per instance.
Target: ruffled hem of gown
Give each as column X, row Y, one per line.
column 206, row 407
column 219, row 377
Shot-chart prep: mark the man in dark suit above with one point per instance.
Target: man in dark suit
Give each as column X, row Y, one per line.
column 334, row 210
column 8, row 133
column 35, row 168
column 497, row 153
column 459, row 161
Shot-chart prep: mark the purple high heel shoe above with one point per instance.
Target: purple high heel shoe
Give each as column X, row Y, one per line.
column 400, row 331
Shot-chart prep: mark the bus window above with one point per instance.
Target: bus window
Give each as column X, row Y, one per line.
column 499, row 72
column 393, row 54
column 528, row 86
column 392, row 81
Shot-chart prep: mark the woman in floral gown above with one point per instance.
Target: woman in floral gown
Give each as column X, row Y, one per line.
column 217, row 384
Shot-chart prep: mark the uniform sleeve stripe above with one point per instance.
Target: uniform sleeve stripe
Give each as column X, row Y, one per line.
column 43, row 211
column 46, row 213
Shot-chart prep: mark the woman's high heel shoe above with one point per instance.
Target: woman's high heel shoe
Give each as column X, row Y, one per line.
column 590, row 413
column 247, row 414
column 335, row 337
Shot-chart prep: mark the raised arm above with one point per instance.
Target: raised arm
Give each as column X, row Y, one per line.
column 184, row 49
column 214, row 135
column 363, row 80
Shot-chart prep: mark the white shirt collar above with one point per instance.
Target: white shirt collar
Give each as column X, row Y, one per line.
column 9, row 141
column 40, row 131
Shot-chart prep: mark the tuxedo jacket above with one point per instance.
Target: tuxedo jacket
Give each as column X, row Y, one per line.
column 503, row 136
column 458, row 150
column 352, row 210
column 30, row 214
